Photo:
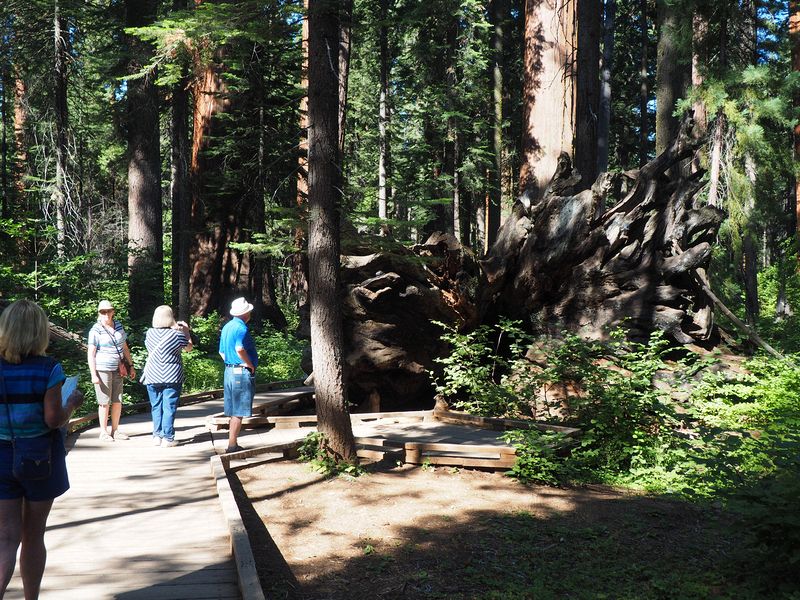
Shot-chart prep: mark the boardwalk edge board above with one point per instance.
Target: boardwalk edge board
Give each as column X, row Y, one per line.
column 249, row 584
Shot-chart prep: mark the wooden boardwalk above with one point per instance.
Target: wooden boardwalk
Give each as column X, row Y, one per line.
column 140, row 521
column 145, row 522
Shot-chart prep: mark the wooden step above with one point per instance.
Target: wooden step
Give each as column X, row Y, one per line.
column 460, row 455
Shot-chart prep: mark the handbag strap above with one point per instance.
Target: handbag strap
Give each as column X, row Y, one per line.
column 113, row 340
column 5, row 401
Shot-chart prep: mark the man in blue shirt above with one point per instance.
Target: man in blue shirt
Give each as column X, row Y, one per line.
column 238, row 352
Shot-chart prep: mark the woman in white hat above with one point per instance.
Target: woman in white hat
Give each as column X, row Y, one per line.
column 107, row 349
column 163, row 372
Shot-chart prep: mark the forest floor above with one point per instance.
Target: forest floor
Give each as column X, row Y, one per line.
column 416, row 532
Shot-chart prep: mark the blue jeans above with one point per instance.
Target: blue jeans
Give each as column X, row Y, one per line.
column 163, row 406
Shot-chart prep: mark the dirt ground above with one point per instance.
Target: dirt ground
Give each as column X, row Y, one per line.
column 412, row 532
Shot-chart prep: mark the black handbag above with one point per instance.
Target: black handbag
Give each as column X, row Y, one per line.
column 32, row 457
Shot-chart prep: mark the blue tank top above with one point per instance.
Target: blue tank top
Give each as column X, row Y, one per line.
column 25, row 385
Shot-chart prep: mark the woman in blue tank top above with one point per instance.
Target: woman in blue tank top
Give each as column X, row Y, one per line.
column 31, row 393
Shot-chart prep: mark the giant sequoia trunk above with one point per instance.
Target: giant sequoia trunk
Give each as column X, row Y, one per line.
column 548, row 113
column 226, row 207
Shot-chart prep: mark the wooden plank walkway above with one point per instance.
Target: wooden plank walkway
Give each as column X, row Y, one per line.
column 140, row 521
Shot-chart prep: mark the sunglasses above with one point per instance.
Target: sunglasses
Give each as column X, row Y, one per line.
column 103, row 312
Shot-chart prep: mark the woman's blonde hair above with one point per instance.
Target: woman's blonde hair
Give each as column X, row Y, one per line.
column 24, row 331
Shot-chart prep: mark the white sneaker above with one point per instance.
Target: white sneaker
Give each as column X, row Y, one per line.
column 106, row 437
column 120, row 435
column 156, row 441
column 169, row 443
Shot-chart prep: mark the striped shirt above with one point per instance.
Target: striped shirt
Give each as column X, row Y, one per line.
column 100, row 336
column 164, row 346
column 24, row 386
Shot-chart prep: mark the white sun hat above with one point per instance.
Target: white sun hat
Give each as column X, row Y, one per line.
column 240, row 307
column 105, row 305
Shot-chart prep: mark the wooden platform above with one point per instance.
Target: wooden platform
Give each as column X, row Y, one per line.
column 434, row 437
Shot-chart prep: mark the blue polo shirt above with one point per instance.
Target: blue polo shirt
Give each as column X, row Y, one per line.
column 236, row 335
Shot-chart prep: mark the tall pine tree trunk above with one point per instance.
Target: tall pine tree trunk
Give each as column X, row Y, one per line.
column 794, row 40
column 604, row 116
column 180, row 193
column 181, row 200
column 261, row 280
column 699, row 63
column 59, row 194
column 4, row 147
column 749, row 242
column 587, row 90
column 145, row 228
column 384, row 158
column 670, row 76
column 498, row 11
column 345, row 44
column 644, row 87
column 21, row 169
column 324, row 185
column 749, row 248
column 298, row 279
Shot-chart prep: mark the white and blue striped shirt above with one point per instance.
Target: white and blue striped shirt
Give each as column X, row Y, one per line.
column 164, row 346
column 109, row 345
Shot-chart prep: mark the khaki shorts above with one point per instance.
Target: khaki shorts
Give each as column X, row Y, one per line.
column 110, row 387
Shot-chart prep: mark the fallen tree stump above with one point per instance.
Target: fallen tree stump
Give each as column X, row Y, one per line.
column 589, row 262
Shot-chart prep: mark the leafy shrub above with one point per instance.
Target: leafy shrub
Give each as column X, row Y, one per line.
column 614, row 401
column 205, row 331
column 475, row 377
column 279, row 354
column 536, row 456
column 316, row 451
column 201, row 372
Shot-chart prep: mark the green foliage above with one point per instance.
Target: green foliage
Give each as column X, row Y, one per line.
column 316, row 451
column 537, row 461
column 475, row 376
column 201, row 372
column 735, row 432
column 616, row 405
column 770, row 521
column 206, row 331
column 279, row 354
